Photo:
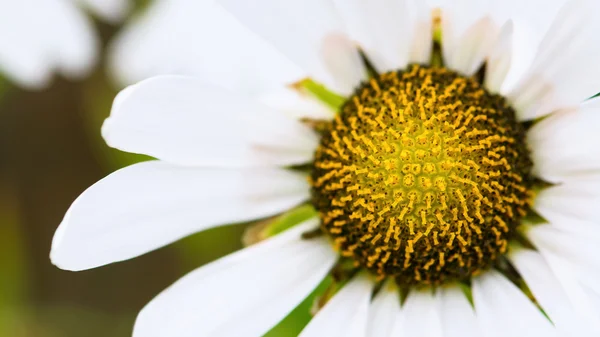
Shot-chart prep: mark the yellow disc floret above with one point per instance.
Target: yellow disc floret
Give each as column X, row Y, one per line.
column 422, row 176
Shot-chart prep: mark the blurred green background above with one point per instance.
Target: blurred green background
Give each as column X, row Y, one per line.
column 50, row 152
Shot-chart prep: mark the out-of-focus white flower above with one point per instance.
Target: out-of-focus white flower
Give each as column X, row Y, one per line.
column 41, row 37
column 109, row 10
column 198, row 37
column 442, row 180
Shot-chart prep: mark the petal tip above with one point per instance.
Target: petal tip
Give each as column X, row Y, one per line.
column 60, row 256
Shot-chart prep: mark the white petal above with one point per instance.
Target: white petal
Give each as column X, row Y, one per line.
column 566, row 143
column 111, row 10
column 185, row 121
column 345, row 315
column 296, row 104
column 421, row 315
column 422, row 45
column 344, row 63
column 564, row 71
column 499, row 60
column 41, row 37
column 198, row 38
column 593, row 325
column 387, row 29
column 521, row 52
column 465, row 47
column 384, row 311
column 503, row 310
column 585, row 303
column 468, row 53
column 146, row 206
column 572, row 226
column 243, row 294
column 579, row 197
column 309, row 32
column 546, row 288
column 398, row 328
column 469, row 31
column 530, row 26
column 456, row 313
column 581, row 250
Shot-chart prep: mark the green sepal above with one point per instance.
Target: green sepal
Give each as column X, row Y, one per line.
column 466, row 289
column 323, row 94
column 290, row 219
column 437, row 35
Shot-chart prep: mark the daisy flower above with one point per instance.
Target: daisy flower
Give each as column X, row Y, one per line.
column 42, row 37
column 441, row 163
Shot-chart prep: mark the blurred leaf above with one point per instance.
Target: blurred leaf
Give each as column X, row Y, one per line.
column 62, row 321
column 141, row 5
column 13, row 275
column 209, row 245
column 4, row 86
column 13, row 269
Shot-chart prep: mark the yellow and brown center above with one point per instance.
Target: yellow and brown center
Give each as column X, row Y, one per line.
column 422, row 176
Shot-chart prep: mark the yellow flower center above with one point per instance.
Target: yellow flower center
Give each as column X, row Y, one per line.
column 422, row 176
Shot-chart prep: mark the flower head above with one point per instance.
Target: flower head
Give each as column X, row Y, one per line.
column 447, row 175
column 414, row 161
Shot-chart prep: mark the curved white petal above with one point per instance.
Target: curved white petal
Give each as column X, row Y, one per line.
column 185, row 121
column 384, row 311
column 547, row 289
column 41, row 37
column 198, row 37
column 457, row 314
column 389, row 31
column 470, row 28
column 310, row 33
column 345, row 315
column 530, row 26
column 297, row 104
column 503, row 310
column 578, row 197
column 421, row 315
column 148, row 205
column 500, row 58
column 467, row 54
column 566, row 143
column 422, row 46
column 398, row 327
column 585, row 301
column 243, row 294
column 344, row 63
column 582, row 250
column 563, row 72
column 573, row 226
column 111, row 10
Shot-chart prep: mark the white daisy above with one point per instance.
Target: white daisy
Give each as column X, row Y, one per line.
column 40, row 37
column 454, row 183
